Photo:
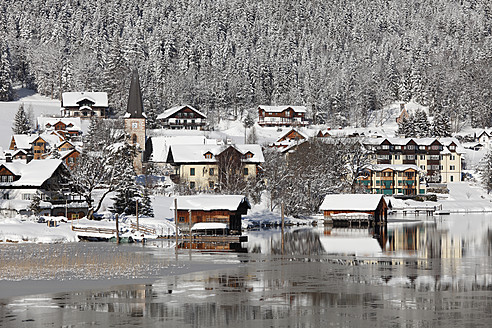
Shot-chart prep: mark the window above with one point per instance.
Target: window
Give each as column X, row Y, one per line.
column 435, row 147
column 7, row 178
column 134, row 139
column 70, row 160
column 452, row 157
column 434, row 157
column 192, row 171
column 422, row 167
column 26, row 196
column 181, row 219
column 452, row 167
column 208, row 155
column 398, row 147
column 245, row 171
column 422, row 157
column 451, row 178
column 211, row 171
column 452, row 147
column 211, row 184
column 410, row 157
column 410, row 147
column 384, row 146
column 192, row 185
column 397, row 157
column 378, row 183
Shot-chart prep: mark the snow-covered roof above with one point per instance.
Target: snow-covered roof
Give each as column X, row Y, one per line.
column 173, row 110
column 279, row 109
column 75, row 121
column 395, row 167
column 209, row 226
column 210, row 202
column 302, row 134
column 33, row 174
column 160, row 145
column 351, row 202
column 71, row 99
column 196, row 153
column 412, row 107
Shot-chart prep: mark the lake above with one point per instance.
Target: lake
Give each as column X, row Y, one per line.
column 431, row 273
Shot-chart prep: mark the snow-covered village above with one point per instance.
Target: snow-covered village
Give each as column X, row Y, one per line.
column 217, row 164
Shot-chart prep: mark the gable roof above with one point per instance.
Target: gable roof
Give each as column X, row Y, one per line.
column 302, row 134
column 71, row 99
column 32, row 174
column 196, row 153
column 75, row 121
column 351, row 202
column 279, row 109
column 210, row 202
column 174, row 110
column 160, row 145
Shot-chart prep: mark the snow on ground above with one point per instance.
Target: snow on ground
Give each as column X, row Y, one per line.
column 466, row 197
column 16, row 230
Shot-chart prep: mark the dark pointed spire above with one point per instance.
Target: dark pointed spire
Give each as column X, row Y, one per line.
column 135, row 104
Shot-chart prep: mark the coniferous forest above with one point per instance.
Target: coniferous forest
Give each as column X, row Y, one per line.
column 344, row 59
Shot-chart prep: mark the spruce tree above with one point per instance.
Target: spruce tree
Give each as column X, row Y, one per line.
column 6, row 91
column 145, row 203
column 421, row 124
column 441, row 126
column 21, row 124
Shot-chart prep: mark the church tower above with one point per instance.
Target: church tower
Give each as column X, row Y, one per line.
column 135, row 121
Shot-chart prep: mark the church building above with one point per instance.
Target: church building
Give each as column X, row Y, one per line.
column 135, row 121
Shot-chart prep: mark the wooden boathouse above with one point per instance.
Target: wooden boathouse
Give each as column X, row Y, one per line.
column 354, row 209
column 211, row 210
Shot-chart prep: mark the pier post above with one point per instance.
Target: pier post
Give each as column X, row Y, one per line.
column 117, row 230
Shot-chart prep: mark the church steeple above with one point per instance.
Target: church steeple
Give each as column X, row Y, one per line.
column 135, row 105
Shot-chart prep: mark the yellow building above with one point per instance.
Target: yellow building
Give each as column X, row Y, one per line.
column 210, row 167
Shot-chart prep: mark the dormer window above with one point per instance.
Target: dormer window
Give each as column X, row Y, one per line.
column 48, row 126
column 208, row 155
column 452, row 147
column 248, row 155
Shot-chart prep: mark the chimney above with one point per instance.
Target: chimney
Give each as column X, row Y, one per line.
column 29, row 157
column 8, row 157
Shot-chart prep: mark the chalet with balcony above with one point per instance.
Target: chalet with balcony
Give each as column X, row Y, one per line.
column 182, row 117
column 393, row 179
column 426, row 153
column 279, row 116
column 211, row 214
column 84, row 104
column 22, row 180
column 68, row 128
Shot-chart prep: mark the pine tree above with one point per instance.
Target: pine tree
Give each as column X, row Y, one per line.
column 21, row 124
column 485, row 169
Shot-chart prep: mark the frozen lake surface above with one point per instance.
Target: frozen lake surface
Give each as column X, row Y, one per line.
column 435, row 273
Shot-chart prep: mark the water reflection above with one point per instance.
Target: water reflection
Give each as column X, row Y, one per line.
column 439, row 272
